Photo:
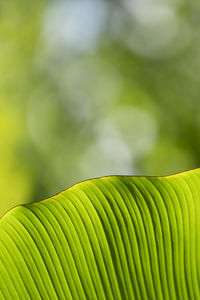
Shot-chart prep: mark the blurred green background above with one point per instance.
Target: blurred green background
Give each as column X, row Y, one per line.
column 91, row 88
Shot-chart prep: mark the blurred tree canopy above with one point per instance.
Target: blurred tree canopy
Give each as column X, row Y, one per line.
column 91, row 88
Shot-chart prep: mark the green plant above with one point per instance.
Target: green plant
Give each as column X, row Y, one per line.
column 108, row 238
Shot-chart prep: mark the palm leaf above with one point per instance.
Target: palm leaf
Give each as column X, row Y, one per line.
column 108, row 238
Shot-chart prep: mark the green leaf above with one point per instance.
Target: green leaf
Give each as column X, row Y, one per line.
column 108, row 238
